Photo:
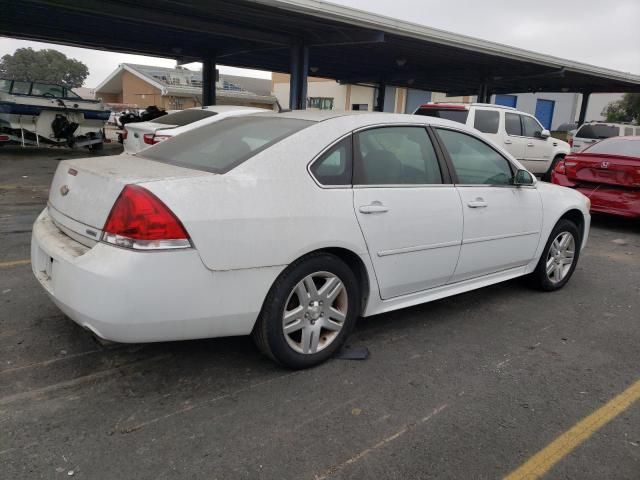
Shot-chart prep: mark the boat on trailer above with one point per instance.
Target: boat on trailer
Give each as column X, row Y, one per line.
column 35, row 113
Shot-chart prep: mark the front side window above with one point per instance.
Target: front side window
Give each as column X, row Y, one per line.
column 222, row 146
column 334, row 167
column 530, row 127
column 486, row 121
column 46, row 90
column 512, row 124
column 21, row 88
column 474, row 161
column 396, row 156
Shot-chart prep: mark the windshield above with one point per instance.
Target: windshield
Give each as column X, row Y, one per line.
column 224, row 145
column 458, row 115
column 597, row 131
column 617, row 146
column 185, row 117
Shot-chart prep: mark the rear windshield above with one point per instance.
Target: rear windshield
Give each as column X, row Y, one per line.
column 185, row 117
column 617, row 146
column 597, row 131
column 224, row 145
column 459, row 116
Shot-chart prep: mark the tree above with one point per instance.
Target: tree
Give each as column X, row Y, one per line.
column 626, row 109
column 48, row 66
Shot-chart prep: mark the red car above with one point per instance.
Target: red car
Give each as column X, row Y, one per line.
column 608, row 172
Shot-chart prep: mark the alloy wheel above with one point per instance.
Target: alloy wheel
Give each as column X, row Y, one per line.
column 315, row 312
column 560, row 257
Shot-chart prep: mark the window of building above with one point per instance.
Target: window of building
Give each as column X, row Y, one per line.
column 396, row 156
column 475, row 162
column 321, row 103
column 486, row 121
column 360, row 106
column 334, row 167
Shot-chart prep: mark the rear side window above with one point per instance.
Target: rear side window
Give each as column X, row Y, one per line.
column 597, row 131
column 334, row 167
column 459, row 116
column 474, row 161
column 616, row 146
column 512, row 124
column 395, row 156
column 224, row 145
column 486, row 121
column 185, row 117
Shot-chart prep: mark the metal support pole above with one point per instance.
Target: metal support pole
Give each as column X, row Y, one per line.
column 209, row 81
column 379, row 106
column 583, row 107
column 299, row 68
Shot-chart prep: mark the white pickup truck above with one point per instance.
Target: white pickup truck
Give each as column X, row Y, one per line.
column 517, row 132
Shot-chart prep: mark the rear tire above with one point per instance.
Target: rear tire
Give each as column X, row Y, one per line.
column 309, row 311
column 559, row 257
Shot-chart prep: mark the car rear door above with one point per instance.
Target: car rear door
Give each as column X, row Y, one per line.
column 501, row 221
column 513, row 141
column 408, row 209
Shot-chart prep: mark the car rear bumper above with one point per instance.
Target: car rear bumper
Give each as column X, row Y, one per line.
column 624, row 202
column 128, row 296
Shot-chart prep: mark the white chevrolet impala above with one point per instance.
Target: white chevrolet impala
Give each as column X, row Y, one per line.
column 290, row 226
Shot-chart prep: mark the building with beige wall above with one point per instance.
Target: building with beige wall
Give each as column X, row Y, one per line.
column 139, row 86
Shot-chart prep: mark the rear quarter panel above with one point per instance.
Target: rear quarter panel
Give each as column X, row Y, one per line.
column 267, row 211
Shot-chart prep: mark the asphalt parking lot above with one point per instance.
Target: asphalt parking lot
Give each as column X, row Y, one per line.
column 466, row 387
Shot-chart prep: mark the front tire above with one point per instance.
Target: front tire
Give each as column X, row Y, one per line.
column 309, row 311
column 559, row 257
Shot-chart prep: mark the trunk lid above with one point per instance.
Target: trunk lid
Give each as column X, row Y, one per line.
column 83, row 191
column 135, row 134
column 603, row 169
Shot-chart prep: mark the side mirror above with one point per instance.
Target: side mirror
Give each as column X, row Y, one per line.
column 544, row 134
column 523, row 178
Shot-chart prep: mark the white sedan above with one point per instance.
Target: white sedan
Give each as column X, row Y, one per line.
column 141, row 135
column 290, row 226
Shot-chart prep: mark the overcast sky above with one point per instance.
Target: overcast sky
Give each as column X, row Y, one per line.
column 602, row 33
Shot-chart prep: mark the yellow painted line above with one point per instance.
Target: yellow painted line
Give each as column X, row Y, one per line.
column 562, row 446
column 14, row 263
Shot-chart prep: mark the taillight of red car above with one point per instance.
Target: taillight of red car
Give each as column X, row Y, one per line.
column 152, row 139
column 141, row 221
column 124, row 134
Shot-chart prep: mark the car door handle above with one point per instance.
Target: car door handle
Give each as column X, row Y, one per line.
column 477, row 203
column 508, row 142
column 530, row 144
column 375, row 207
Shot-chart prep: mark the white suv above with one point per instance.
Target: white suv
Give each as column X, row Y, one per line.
column 593, row 132
column 517, row 132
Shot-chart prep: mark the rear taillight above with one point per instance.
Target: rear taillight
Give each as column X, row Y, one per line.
column 4, row 138
column 151, row 139
column 141, row 221
column 125, row 134
column 571, row 142
column 560, row 167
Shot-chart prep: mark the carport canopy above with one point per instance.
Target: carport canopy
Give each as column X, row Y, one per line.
column 302, row 36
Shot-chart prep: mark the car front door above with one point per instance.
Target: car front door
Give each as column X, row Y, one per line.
column 408, row 210
column 501, row 221
column 538, row 150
